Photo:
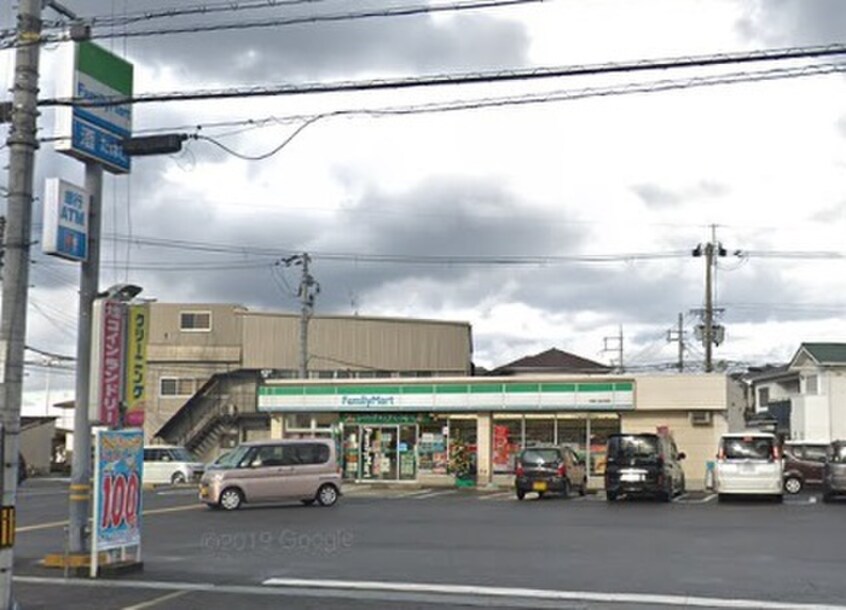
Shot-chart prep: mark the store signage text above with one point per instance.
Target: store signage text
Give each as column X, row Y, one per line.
column 367, row 401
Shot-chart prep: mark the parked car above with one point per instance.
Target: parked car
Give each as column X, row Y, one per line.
column 171, row 464
column 643, row 465
column 271, row 471
column 834, row 471
column 748, row 463
column 804, row 462
column 549, row 470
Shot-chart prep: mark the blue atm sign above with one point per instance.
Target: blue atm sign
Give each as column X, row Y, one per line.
column 65, row 232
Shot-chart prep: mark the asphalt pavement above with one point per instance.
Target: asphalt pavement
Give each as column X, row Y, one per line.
column 435, row 548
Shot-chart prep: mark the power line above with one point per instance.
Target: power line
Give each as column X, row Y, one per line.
column 401, row 11
column 483, row 77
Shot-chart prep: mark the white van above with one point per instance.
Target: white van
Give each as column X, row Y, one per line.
column 748, row 463
column 171, row 464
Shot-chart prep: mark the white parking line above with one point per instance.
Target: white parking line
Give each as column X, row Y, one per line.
column 683, row 499
column 435, row 494
column 410, row 494
column 502, row 495
column 545, row 594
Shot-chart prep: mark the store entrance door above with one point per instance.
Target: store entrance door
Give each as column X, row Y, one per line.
column 387, row 453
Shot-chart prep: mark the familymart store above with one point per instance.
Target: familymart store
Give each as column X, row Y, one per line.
column 414, row 430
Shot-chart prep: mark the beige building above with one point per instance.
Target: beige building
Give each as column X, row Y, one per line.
column 206, row 361
column 412, row 429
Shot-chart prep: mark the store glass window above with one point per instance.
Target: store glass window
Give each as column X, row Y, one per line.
column 432, row 447
column 462, row 441
column 602, row 425
column 298, row 421
column 507, row 442
column 540, row 430
column 572, row 432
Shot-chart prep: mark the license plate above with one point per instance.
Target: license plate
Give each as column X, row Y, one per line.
column 539, row 486
column 631, row 477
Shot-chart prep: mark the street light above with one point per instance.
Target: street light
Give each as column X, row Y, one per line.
column 120, row 292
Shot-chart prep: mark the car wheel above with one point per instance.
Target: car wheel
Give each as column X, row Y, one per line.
column 231, row 499
column 827, row 497
column 583, row 487
column 178, row 478
column 565, row 492
column 722, row 498
column 521, row 494
column 793, row 485
column 327, row 495
column 611, row 496
column 540, row 495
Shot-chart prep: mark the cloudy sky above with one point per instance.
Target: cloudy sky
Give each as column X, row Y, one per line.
column 645, row 173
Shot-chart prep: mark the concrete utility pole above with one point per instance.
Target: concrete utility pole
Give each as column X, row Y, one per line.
column 308, row 290
column 678, row 335
column 22, row 144
column 711, row 333
column 616, row 348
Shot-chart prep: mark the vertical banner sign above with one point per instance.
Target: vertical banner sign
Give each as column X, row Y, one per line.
column 118, row 470
column 135, row 397
column 92, row 74
column 111, row 363
column 65, row 226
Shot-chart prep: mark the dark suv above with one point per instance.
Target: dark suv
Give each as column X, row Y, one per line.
column 549, row 469
column 643, row 465
column 834, row 473
column 803, row 464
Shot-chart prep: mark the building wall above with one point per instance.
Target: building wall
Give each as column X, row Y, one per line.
column 674, row 392
column 809, row 418
column 36, row 445
column 699, row 443
column 271, row 341
column 837, row 405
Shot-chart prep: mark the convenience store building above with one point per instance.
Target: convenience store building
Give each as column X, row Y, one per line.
column 396, row 430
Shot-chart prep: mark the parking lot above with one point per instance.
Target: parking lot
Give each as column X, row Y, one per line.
column 424, row 547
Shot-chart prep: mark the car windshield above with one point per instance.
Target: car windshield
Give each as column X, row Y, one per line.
column 540, row 456
column 628, row 447
column 233, row 458
column 182, row 455
column 838, row 454
column 747, row 448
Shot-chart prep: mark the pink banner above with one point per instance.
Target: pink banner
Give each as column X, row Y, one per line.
column 111, row 373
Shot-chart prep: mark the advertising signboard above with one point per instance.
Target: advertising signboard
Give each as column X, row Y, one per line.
column 65, row 226
column 108, row 343
column 118, row 471
column 135, row 397
column 94, row 133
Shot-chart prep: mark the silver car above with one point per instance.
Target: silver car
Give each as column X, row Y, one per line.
column 748, row 463
column 271, row 471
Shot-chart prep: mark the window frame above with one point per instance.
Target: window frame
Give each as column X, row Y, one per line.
column 195, row 312
column 177, row 381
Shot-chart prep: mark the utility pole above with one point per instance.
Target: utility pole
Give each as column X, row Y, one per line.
column 711, row 333
column 618, row 347
column 22, row 144
column 309, row 289
column 678, row 335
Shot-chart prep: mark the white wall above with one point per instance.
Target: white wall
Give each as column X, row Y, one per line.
column 809, row 418
column 837, row 405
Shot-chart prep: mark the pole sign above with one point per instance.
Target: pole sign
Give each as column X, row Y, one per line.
column 108, row 343
column 65, row 226
column 118, row 472
column 135, row 394
column 94, row 133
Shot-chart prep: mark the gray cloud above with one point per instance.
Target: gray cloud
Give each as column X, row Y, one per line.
column 656, row 196
column 419, row 43
column 789, row 22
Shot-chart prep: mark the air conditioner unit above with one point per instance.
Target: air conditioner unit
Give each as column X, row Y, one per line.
column 700, row 418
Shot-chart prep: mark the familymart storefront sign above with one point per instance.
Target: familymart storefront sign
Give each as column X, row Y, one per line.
column 470, row 396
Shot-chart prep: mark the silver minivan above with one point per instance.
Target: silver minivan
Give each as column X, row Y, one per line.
column 171, row 464
column 272, row 471
column 748, row 463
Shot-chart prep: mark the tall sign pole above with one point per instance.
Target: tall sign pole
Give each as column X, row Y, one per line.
column 22, row 144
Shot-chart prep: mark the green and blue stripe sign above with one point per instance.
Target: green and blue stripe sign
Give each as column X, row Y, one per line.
column 95, row 132
column 448, row 397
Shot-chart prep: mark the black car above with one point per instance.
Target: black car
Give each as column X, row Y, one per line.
column 549, row 470
column 834, row 472
column 643, row 465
